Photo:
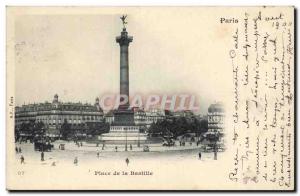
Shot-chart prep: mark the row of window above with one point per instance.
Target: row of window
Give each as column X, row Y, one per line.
column 60, row 119
column 216, row 130
column 124, row 128
column 59, row 124
column 216, row 118
column 50, row 107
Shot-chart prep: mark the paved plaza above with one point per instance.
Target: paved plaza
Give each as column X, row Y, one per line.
column 89, row 153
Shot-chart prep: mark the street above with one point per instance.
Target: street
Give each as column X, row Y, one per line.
column 87, row 154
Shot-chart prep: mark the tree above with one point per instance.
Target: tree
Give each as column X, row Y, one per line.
column 23, row 127
column 38, row 128
column 65, row 130
column 31, row 128
column 213, row 138
column 154, row 129
column 97, row 128
column 175, row 126
column 203, row 126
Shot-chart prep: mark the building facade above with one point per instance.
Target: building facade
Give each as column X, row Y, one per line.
column 216, row 118
column 216, row 123
column 142, row 118
column 109, row 117
column 154, row 115
column 54, row 114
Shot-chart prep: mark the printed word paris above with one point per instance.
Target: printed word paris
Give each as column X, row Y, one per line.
column 228, row 20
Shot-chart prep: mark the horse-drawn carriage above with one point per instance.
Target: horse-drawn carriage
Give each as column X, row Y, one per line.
column 43, row 146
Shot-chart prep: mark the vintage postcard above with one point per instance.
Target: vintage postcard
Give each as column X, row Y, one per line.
column 150, row 98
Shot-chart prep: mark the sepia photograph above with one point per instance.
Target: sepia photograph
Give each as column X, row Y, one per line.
column 150, row 98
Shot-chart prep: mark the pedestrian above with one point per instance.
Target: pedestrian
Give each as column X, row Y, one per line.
column 22, row 159
column 127, row 161
column 200, row 155
column 116, row 148
column 191, row 143
column 42, row 156
column 20, row 150
column 75, row 161
column 130, row 146
column 98, row 154
column 81, row 144
column 17, row 150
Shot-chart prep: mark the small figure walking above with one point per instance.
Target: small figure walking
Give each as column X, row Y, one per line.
column 215, row 155
column 22, row 159
column 20, row 150
column 98, row 154
column 127, row 161
column 200, row 155
column 116, row 148
column 75, row 161
column 130, row 147
column 42, row 156
column 17, row 150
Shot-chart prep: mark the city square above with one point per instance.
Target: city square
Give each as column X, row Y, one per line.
column 87, row 154
column 80, row 132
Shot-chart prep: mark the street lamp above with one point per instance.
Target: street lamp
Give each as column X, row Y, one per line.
column 138, row 144
column 42, row 138
column 125, row 138
column 216, row 138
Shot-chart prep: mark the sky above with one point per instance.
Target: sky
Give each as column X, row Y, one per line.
column 75, row 55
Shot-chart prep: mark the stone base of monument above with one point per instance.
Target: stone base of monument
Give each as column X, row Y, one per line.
column 122, row 135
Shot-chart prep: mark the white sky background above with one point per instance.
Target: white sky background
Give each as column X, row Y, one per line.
column 107, row 2
column 77, row 57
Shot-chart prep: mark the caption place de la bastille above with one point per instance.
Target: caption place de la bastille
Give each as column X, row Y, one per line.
column 123, row 173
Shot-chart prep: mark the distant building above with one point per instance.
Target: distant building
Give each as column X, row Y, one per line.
column 216, row 117
column 54, row 114
column 154, row 115
column 184, row 113
column 141, row 117
column 109, row 117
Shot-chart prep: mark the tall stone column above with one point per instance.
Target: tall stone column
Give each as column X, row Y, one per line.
column 124, row 41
